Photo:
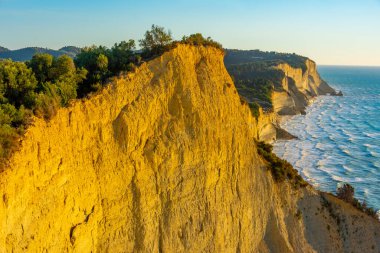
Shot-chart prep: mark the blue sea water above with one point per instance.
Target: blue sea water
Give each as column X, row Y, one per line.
column 339, row 137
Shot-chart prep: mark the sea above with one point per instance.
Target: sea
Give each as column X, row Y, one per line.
column 339, row 137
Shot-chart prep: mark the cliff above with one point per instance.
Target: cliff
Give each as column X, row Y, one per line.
column 295, row 91
column 282, row 84
column 164, row 160
column 298, row 88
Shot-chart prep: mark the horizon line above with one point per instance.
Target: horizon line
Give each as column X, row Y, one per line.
column 348, row 65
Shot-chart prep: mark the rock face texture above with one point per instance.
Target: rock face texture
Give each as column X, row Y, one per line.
column 299, row 87
column 164, row 160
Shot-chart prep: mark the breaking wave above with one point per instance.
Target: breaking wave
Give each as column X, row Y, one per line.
column 339, row 137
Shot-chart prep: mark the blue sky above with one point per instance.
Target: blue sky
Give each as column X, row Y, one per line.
column 343, row 32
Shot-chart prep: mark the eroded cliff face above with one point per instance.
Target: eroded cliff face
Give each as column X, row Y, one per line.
column 164, row 160
column 299, row 87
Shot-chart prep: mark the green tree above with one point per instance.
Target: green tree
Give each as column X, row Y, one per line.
column 197, row 39
column 40, row 65
column 95, row 60
column 155, row 41
column 62, row 66
column 67, row 85
column 122, row 54
column 102, row 63
column 17, row 84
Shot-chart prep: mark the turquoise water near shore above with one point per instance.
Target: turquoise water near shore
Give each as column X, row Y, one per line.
column 339, row 137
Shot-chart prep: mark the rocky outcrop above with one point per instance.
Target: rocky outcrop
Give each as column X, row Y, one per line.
column 164, row 160
column 269, row 130
column 299, row 88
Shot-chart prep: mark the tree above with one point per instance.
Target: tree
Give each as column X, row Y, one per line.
column 122, row 55
column 198, row 40
column 40, row 65
column 62, row 66
column 102, row 63
column 95, row 60
column 155, row 41
column 17, row 84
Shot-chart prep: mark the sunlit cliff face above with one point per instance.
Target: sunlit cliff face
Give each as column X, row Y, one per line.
column 164, row 160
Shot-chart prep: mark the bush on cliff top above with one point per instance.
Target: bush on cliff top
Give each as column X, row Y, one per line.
column 198, row 40
column 346, row 192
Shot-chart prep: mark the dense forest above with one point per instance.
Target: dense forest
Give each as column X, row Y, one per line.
column 40, row 86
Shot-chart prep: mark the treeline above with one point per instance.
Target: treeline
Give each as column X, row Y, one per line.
column 235, row 56
column 45, row 83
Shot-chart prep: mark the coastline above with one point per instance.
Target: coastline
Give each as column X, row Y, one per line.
column 330, row 163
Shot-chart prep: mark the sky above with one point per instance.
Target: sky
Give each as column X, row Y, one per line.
column 331, row 32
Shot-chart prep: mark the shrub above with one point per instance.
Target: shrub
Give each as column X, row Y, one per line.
column 281, row 169
column 197, row 39
column 8, row 143
column 347, row 193
column 255, row 109
column 47, row 102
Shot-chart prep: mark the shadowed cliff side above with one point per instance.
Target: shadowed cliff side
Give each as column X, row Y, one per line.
column 164, row 160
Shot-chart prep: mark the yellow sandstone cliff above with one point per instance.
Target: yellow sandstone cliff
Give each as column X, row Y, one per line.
column 164, row 160
column 299, row 87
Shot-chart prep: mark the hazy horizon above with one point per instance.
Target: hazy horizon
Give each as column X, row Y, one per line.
column 329, row 32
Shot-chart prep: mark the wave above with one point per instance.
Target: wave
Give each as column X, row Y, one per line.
column 339, row 140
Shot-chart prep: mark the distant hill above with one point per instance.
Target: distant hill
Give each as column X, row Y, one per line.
column 25, row 54
column 3, row 49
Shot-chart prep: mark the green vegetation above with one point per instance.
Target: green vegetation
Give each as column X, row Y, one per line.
column 255, row 109
column 155, row 42
column 38, row 88
column 347, row 193
column 256, row 82
column 49, row 81
column 234, row 57
column 280, row 169
column 255, row 74
column 198, row 40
